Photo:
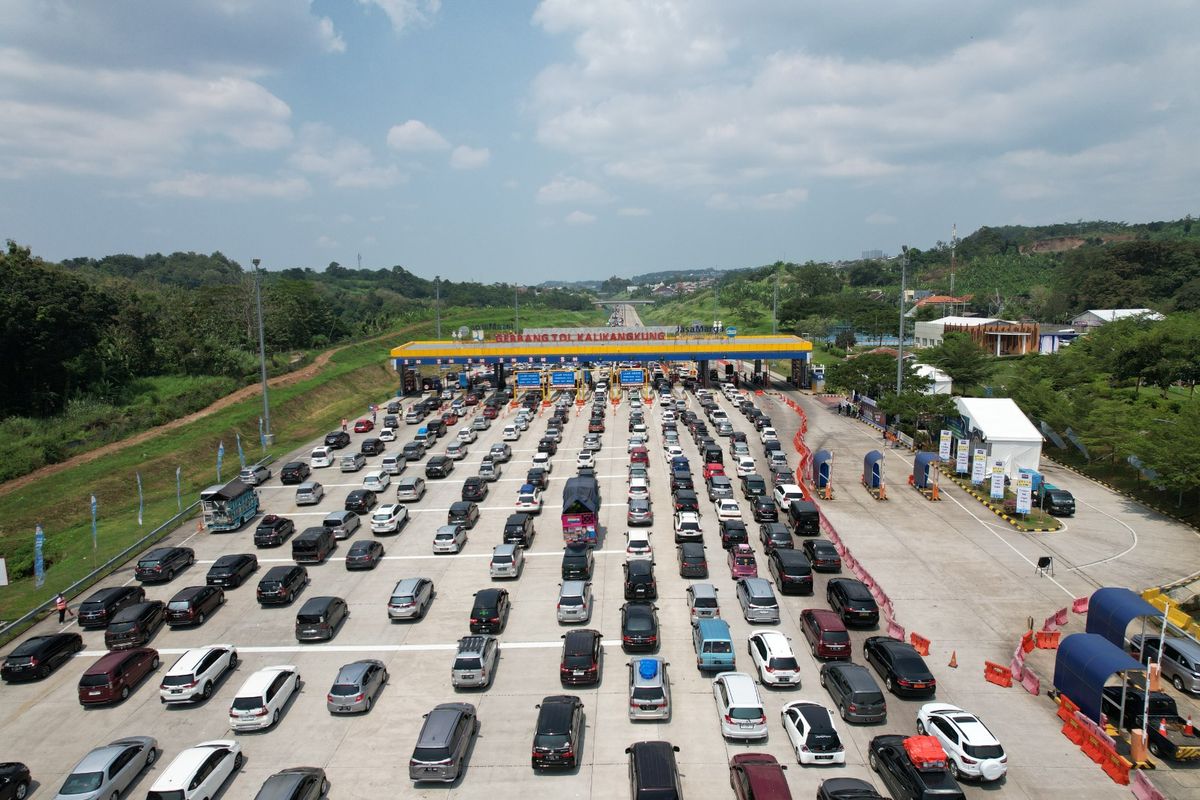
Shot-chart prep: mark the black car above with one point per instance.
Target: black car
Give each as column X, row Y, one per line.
column 639, row 580
column 161, row 564
column 538, row 477
column 900, row 665
column 686, row 500
column 463, row 513
column 847, row 789
column 547, row 445
column 577, row 563
column 232, row 570
column 559, row 732
column 14, row 781
column 653, row 772
column 364, row 554
column 733, row 531
column 753, row 486
column 775, row 535
column 692, row 561
column 475, row 489
column 135, row 625
column 191, row 605
column 580, row 665
column 764, row 510
column 281, row 584
column 682, row 479
column 823, row 555
column 337, row 440
column 295, row 472
column 489, row 612
column 439, row 467
column 596, row 425
column 38, row 656
column 273, row 530
column 360, row 501
column 639, row 627
column 887, row 756
column 791, row 571
column 102, row 605
column 295, row 783
column 371, row 447
column 852, row 601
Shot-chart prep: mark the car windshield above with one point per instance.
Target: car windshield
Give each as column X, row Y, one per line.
column 80, row 782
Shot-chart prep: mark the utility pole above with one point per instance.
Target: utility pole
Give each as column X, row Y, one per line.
column 437, row 303
column 516, row 310
column 268, row 437
column 953, row 253
column 900, row 341
column 775, row 306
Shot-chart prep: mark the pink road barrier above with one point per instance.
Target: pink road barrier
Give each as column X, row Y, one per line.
column 1056, row 620
column 895, row 631
column 1142, row 788
column 1031, row 682
column 1080, row 606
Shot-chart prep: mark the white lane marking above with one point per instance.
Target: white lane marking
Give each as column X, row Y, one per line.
column 359, row 648
column 439, row 556
column 411, row 510
column 1127, row 550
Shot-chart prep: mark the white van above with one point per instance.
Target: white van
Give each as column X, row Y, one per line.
column 321, row 457
column 739, row 707
column 511, row 434
column 377, row 481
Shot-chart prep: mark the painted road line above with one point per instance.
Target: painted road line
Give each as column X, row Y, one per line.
column 358, row 648
column 440, row 556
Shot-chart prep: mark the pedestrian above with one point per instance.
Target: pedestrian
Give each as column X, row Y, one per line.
column 60, row 605
column 343, row 424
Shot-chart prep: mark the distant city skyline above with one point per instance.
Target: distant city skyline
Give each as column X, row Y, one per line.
column 578, row 139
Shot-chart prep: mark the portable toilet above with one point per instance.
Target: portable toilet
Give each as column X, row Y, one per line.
column 873, row 469
column 922, row 467
column 822, row 467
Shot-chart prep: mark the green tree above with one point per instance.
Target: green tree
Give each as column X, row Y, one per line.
column 959, row 357
column 845, row 339
column 871, row 374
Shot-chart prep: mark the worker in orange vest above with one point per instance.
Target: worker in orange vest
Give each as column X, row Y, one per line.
column 60, row 605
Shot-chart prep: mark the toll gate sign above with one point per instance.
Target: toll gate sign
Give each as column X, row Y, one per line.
column 633, row 377
column 562, row 378
column 529, row 379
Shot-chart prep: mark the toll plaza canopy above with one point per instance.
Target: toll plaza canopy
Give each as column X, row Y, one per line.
column 1111, row 609
column 1083, row 664
column 570, row 347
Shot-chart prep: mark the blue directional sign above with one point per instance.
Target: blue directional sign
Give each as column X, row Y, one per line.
column 529, row 379
column 633, row 376
column 562, row 378
column 731, row 331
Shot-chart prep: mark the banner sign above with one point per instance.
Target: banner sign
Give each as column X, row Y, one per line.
column 39, row 564
column 978, row 465
column 529, row 379
column 944, row 445
column 964, row 456
column 997, row 489
column 562, row 378
column 605, row 336
column 633, row 376
column 1024, row 486
column 94, row 543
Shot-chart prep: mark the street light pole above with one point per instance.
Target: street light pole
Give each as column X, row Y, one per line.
column 516, row 311
column 900, row 341
column 775, row 306
column 437, row 303
column 267, row 437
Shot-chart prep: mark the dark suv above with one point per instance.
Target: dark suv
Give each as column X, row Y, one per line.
column 489, row 613
column 191, row 605
column 791, row 570
column 581, row 654
column 101, row 606
column 577, row 563
column 135, row 625
column 653, row 773
column 852, row 601
column 639, row 580
column 559, row 732
column 439, row 467
column 294, row 472
column 692, row 561
column 337, row 440
column 280, row 585
column 161, row 564
column 231, row 571
column 474, row 489
column 273, row 531
column 38, row 656
column 463, row 512
column 360, row 501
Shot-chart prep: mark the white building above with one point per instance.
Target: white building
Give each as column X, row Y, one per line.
column 930, row 333
column 941, row 383
column 1095, row 317
column 1004, row 430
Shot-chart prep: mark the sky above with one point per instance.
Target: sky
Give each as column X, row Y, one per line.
column 500, row 140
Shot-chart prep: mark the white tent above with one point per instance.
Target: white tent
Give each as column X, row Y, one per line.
column 1006, row 431
column 941, row 383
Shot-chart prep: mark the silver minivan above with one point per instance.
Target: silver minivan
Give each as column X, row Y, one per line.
column 649, row 689
column 342, row 523
column 475, row 662
column 309, row 493
column 757, row 600
column 720, row 488
column 574, row 601
column 702, row 601
column 410, row 598
column 393, row 463
column 411, row 488
column 507, row 560
column 1180, row 659
column 443, row 743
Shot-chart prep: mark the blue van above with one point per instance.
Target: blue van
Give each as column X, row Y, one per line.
column 680, row 463
column 713, row 644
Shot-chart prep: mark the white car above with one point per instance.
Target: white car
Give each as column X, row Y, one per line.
column 456, row 450
column 637, row 545
column 387, row 435
column 586, row 458
column 767, row 435
column 785, row 493
column 389, row 518
column 809, row 727
column 637, row 440
column 973, row 750
column 530, row 502
column 200, row 771
column 521, row 422
column 739, row 708
column 260, row 701
column 745, row 466
column 466, row 435
column 543, row 461
column 772, row 655
column 639, row 489
column 511, row 433
column 728, row 509
column 377, row 481
column 195, row 673
column 672, row 451
column 687, row 527
column 321, row 457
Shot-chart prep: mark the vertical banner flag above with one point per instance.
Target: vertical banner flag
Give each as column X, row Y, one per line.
column 241, row 455
column 963, row 457
column 1024, row 486
column 944, row 445
column 179, row 489
column 977, row 466
column 141, row 503
column 997, row 492
column 220, row 458
column 39, row 565
column 94, row 542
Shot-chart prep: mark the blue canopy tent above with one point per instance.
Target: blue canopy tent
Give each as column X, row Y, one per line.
column 922, row 466
column 1085, row 661
column 873, row 470
column 1111, row 609
column 822, row 467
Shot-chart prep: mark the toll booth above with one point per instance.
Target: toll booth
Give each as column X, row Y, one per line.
column 822, row 473
column 925, row 474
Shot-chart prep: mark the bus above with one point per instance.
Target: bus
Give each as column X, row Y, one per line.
column 228, row 507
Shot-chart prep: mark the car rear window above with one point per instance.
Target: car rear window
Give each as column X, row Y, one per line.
column 93, row 680
column 247, row 703
column 835, row 637
column 747, row 712
column 431, row 754
column 178, row 680
column 344, row 689
column 983, row 750
column 718, row 647
column 468, row 662
column 310, row 619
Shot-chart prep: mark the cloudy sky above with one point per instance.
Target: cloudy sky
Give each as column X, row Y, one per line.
column 524, row 141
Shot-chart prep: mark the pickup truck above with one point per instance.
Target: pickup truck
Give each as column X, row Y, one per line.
column 1176, row 745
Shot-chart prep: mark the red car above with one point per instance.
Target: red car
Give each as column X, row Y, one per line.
column 754, row 775
column 489, row 412
column 741, row 562
column 363, row 425
column 450, row 418
column 826, row 633
column 639, row 455
column 713, row 468
column 471, row 400
column 115, row 675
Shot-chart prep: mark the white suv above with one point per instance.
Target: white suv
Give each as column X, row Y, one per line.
column 388, row 518
column 637, row 545
column 260, row 701
column 973, row 750
column 199, row 771
column 320, row 457
column 739, row 708
column 193, row 676
column 773, row 656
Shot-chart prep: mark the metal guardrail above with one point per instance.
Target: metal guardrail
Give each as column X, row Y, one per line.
column 22, row 623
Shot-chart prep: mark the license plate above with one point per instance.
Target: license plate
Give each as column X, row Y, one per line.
column 577, row 672
column 177, row 691
column 648, row 708
column 745, row 725
column 918, row 686
column 469, row 676
column 824, row 758
column 783, row 680
column 343, row 708
column 93, row 694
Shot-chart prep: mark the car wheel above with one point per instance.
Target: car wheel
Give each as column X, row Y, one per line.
column 238, row 760
column 324, row 787
column 1155, row 750
column 154, row 664
column 813, row 649
column 206, row 692
column 191, row 559
column 275, row 718
column 367, row 705
column 221, row 600
column 291, row 596
column 22, row 790
column 953, row 766
column 891, row 687
column 1177, row 682
column 873, row 761
column 152, row 756
column 845, row 718
column 170, row 575
column 124, row 692
column 115, row 796
column 200, row 619
column 233, row 661
column 920, row 728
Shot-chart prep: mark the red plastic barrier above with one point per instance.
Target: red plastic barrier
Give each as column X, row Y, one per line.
column 1048, row 640
column 1080, row 606
column 1066, row 709
column 997, row 674
column 1116, row 767
column 920, row 643
column 1072, row 730
column 1027, row 641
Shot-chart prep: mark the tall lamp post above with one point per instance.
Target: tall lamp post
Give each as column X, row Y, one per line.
column 268, row 438
column 437, row 302
column 900, row 341
column 516, row 310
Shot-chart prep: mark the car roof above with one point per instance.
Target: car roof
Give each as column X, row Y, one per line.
column 111, row 659
column 258, row 681
column 651, row 678
column 555, row 714
column 181, row 770
column 406, row 585
column 354, row 671
column 487, row 596
column 191, row 658
column 108, row 594
column 318, row 603
column 775, row 641
column 572, row 588
column 100, row 757
column 579, row 642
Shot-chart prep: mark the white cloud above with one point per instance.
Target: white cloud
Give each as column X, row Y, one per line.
column 772, row 201
column 463, row 157
column 332, row 40
column 579, row 218
column 345, row 162
column 633, row 212
column 230, row 187
column 568, row 189
column 406, row 13
column 512, row 183
column 414, row 135
column 326, row 242
column 880, row 218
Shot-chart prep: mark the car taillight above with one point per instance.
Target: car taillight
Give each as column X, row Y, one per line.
column 474, row 620
column 261, row 712
column 33, row 662
column 729, row 719
column 769, row 668
column 852, row 707
column 904, row 682
column 966, row 760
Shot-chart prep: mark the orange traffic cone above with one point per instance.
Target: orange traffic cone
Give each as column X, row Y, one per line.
column 953, row 659
column 1162, row 726
column 1188, row 730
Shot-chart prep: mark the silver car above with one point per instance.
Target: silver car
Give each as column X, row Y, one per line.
column 309, row 493
column 574, row 601
column 757, row 600
column 343, row 524
column 475, row 662
column 108, row 771
column 410, row 599
column 649, row 689
column 357, row 686
column 449, row 539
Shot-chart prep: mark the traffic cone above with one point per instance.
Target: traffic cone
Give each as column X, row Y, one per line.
column 1162, row 726
column 1188, row 730
column 953, row 659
